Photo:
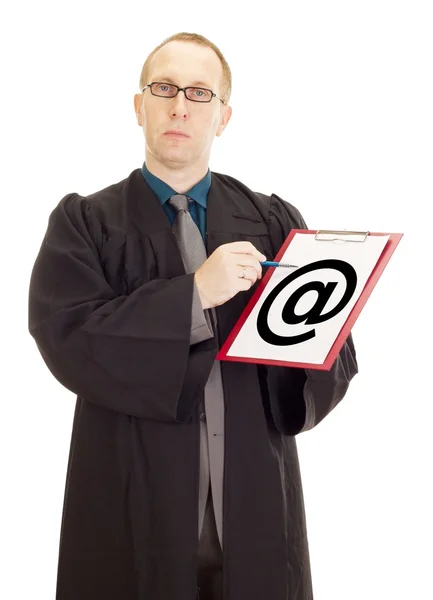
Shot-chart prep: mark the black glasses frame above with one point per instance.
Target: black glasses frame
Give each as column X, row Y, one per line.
column 179, row 89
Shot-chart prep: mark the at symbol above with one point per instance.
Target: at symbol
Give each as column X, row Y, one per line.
column 314, row 315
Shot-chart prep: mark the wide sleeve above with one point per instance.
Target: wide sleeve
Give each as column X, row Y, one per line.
column 135, row 353
column 301, row 398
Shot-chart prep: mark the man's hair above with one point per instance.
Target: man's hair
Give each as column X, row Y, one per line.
column 226, row 84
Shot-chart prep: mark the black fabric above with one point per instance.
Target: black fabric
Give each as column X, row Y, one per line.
column 110, row 312
column 210, row 557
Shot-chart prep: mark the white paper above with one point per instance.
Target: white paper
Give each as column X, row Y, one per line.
column 304, row 250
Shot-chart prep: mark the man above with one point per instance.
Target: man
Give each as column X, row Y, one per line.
column 183, row 479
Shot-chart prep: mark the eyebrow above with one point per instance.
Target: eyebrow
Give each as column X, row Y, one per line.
column 164, row 78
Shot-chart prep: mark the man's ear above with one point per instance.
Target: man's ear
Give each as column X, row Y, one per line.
column 138, row 98
column 226, row 113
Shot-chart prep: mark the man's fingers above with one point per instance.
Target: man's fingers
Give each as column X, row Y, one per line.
column 246, row 260
column 245, row 248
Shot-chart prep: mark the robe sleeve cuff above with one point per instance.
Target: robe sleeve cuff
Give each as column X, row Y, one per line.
column 323, row 390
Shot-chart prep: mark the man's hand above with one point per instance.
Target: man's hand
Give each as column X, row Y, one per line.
column 220, row 276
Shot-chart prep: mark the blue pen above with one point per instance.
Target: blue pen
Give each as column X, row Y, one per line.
column 269, row 263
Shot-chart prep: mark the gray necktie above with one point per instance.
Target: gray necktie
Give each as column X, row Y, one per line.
column 193, row 253
column 187, row 234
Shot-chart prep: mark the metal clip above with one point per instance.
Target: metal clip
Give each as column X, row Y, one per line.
column 343, row 232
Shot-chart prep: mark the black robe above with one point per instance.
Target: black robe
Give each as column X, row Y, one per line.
column 110, row 310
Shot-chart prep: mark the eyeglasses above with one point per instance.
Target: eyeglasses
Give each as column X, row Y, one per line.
column 169, row 90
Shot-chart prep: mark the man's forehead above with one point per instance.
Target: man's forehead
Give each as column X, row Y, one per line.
column 185, row 64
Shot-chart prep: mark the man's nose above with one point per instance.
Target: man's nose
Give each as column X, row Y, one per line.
column 180, row 103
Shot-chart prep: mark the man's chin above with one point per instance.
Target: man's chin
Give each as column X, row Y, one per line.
column 176, row 158
column 172, row 157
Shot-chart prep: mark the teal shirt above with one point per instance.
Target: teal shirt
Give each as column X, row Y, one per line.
column 198, row 193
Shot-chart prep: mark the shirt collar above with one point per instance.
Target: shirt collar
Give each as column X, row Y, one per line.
column 163, row 191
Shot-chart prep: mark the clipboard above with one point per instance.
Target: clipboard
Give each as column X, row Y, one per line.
column 320, row 236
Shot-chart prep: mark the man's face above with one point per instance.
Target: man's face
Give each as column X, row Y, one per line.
column 184, row 64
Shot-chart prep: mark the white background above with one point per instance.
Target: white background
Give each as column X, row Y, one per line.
column 348, row 140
